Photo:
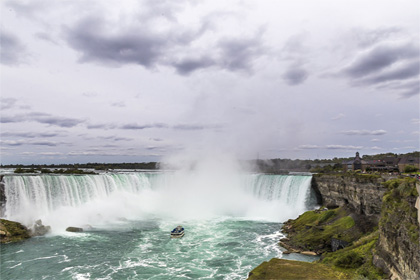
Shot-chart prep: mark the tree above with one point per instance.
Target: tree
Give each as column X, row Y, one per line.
column 410, row 168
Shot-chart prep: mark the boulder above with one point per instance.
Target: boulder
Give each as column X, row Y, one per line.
column 12, row 231
column 74, row 229
column 39, row 229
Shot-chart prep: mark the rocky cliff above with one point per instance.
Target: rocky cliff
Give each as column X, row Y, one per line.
column 2, row 197
column 398, row 249
column 383, row 202
column 360, row 193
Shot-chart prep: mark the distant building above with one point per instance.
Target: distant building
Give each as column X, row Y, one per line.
column 388, row 164
column 356, row 164
column 413, row 161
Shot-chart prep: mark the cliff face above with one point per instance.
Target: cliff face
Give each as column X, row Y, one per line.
column 360, row 193
column 389, row 204
column 398, row 250
column 2, row 196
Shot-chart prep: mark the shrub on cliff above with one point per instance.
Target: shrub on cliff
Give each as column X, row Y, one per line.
column 349, row 260
column 398, row 202
column 357, row 258
column 314, row 230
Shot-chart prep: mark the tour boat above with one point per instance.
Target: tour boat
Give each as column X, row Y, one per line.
column 177, row 232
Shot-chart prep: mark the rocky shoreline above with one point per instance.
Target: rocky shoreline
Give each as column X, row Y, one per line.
column 11, row 231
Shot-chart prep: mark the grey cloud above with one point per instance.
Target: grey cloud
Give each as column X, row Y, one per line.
column 411, row 91
column 140, row 127
column 119, row 104
column 54, row 120
column 101, row 126
column 379, row 58
column 309, row 147
column 115, row 138
column 92, row 38
column 405, row 72
column 42, row 118
column 11, row 143
column 156, row 139
column 366, row 38
column 343, row 147
column 28, row 9
column 406, row 88
column 45, row 143
column 188, row 127
column 364, row 132
column 12, row 119
column 239, row 54
column 194, row 127
column 35, row 143
column 329, row 147
column 7, row 103
column 188, row 65
column 45, row 37
column 295, row 76
column 134, row 126
column 12, row 51
column 116, row 43
column 384, row 65
column 31, row 134
column 294, row 50
column 294, row 45
column 163, row 8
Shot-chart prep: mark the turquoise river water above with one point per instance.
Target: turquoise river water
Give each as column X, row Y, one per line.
column 232, row 224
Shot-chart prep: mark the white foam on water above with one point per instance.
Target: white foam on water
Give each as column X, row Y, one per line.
column 109, row 199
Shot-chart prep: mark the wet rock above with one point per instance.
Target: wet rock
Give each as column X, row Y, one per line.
column 12, row 231
column 74, row 229
column 39, row 229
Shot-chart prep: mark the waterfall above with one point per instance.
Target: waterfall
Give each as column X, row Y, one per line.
column 64, row 200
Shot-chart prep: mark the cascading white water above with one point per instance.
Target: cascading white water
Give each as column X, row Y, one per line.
column 76, row 200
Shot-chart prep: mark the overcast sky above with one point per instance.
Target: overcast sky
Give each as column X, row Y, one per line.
column 134, row 81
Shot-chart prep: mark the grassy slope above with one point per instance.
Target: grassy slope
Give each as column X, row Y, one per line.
column 313, row 230
column 286, row 269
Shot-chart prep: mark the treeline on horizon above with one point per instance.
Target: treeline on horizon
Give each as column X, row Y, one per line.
column 268, row 166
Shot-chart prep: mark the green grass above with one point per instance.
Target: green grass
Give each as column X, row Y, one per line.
column 397, row 210
column 313, row 230
column 287, row 269
column 357, row 258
